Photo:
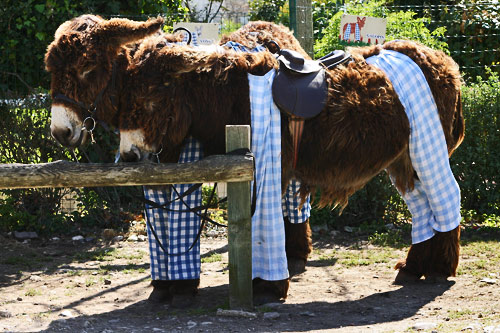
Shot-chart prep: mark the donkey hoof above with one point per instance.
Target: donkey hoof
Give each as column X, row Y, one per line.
column 159, row 296
column 161, row 292
column 265, row 298
column 296, row 266
column 182, row 301
column 435, row 279
column 265, row 291
column 404, row 277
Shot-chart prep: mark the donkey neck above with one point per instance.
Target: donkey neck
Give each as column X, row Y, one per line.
column 228, row 104
column 108, row 109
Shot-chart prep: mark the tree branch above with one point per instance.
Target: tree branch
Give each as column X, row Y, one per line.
column 30, row 88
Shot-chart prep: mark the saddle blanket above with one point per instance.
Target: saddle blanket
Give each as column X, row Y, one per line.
column 268, row 235
column 434, row 203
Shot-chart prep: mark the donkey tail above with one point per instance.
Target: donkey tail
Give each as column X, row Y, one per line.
column 458, row 131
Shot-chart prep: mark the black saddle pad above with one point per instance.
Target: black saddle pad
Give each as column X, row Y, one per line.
column 300, row 95
column 300, row 88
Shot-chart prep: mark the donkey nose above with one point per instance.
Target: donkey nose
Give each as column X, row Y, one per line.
column 132, row 155
column 62, row 135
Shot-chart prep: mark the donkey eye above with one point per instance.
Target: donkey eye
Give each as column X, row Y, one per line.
column 83, row 27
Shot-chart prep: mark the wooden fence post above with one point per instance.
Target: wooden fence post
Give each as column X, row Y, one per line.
column 239, row 227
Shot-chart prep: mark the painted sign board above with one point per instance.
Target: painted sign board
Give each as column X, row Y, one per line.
column 371, row 30
column 202, row 33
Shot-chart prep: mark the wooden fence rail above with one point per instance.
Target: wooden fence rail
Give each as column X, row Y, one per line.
column 218, row 168
column 236, row 170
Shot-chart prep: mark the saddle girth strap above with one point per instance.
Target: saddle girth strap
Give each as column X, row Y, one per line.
column 296, row 127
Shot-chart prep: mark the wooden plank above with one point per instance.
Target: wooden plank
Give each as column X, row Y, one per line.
column 70, row 174
column 301, row 23
column 239, row 228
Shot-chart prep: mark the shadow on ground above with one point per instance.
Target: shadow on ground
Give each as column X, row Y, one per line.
column 377, row 308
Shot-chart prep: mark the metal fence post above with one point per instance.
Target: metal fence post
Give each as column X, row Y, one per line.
column 301, row 23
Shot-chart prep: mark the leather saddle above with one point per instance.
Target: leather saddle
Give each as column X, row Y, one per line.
column 300, row 88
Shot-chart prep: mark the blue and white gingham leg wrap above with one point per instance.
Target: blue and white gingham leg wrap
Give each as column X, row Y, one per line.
column 291, row 202
column 176, row 230
column 159, row 220
column 435, row 201
column 268, row 231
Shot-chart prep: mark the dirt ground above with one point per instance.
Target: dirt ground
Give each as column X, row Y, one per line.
column 95, row 286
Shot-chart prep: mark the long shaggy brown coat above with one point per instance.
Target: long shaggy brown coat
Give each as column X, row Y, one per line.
column 171, row 92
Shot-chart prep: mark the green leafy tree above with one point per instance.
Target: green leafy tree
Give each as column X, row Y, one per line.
column 400, row 25
column 267, row 10
column 28, row 27
column 472, row 29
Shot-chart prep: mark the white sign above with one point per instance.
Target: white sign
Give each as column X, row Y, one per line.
column 202, row 33
column 366, row 29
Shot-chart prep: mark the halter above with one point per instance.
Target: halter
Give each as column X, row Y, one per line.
column 92, row 108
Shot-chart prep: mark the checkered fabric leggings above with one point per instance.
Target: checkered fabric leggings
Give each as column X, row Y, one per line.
column 177, row 231
column 434, row 203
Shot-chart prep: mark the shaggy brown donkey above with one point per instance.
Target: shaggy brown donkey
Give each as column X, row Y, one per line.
column 363, row 130
column 82, row 59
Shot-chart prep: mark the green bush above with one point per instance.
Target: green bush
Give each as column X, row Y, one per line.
column 322, row 11
column 472, row 29
column 476, row 163
column 26, row 139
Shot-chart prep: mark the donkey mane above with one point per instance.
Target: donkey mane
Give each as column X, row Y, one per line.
column 177, row 60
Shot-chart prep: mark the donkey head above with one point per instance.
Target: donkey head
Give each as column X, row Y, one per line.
column 80, row 61
column 159, row 115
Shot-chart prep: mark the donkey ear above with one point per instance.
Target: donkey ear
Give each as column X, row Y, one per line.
column 120, row 31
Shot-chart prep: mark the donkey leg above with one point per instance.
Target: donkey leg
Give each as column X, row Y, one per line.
column 183, row 292
column 412, row 268
column 436, row 258
column 445, row 254
column 298, row 245
column 269, row 291
column 161, row 291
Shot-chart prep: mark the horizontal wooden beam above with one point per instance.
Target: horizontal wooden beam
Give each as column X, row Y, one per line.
column 217, row 168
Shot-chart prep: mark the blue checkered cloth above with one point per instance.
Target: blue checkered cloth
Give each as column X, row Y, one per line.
column 178, row 235
column 242, row 48
column 290, row 204
column 435, row 201
column 268, row 231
